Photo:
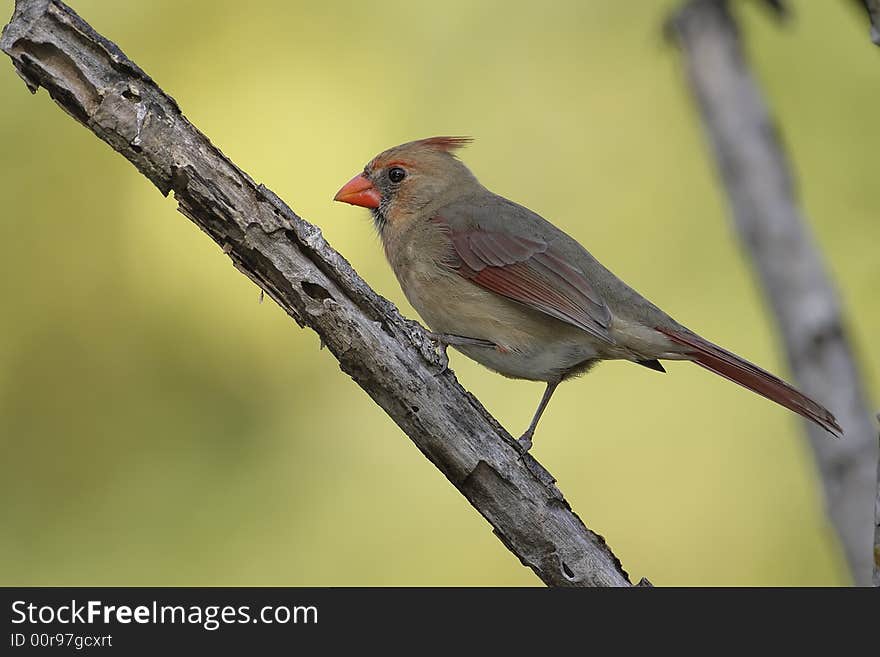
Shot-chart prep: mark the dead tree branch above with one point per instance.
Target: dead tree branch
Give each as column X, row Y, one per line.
column 774, row 234
column 388, row 356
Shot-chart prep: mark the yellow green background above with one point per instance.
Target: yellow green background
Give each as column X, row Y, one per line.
column 160, row 425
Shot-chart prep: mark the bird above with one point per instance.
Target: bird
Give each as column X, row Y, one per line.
column 507, row 288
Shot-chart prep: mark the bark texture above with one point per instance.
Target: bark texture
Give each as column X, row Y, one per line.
column 388, row 356
column 774, row 234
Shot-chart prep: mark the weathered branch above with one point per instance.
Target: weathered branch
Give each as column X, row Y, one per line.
column 387, row 355
column 773, row 232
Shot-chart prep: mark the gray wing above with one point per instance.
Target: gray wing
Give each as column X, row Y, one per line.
column 499, row 247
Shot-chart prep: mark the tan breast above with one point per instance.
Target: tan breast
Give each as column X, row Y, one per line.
column 532, row 345
column 418, row 254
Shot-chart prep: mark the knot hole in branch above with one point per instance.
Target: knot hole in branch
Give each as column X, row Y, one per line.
column 315, row 291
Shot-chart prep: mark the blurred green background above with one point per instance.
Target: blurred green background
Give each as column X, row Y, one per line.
column 160, row 425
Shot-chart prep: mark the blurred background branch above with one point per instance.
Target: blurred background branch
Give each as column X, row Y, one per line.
column 872, row 8
column 388, row 356
column 877, row 527
column 773, row 231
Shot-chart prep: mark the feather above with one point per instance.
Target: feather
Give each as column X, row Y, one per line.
column 748, row 375
column 529, row 272
column 652, row 364
column 445, row 144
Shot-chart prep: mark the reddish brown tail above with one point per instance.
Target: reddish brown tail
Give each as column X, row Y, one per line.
column 738, row 370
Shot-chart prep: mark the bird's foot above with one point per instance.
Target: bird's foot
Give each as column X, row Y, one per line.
column 525, row 441
column 445, row 340
column 444, row 358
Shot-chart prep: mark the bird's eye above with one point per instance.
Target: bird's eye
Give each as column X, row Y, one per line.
column 396, row 174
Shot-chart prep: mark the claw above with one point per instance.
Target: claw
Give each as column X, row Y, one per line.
column 444, row 340
column 440, row 348
column 444, row 358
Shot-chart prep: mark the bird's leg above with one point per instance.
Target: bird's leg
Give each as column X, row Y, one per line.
column 525, row 440
column 450, row 339
column 445, row 340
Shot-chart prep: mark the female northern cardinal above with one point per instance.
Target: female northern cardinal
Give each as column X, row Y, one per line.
column 513, row 292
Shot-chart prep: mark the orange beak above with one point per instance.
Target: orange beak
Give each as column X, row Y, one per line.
column 359, row 191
